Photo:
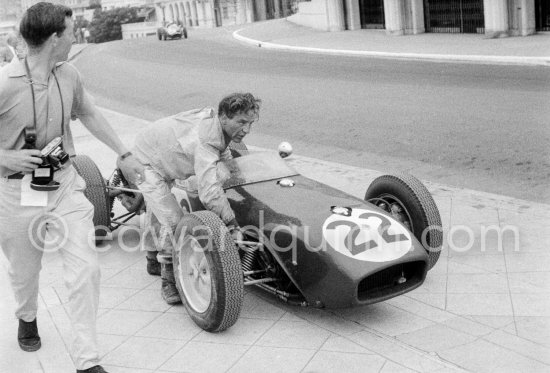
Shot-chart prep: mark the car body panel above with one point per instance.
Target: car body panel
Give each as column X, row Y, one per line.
column 354, row 255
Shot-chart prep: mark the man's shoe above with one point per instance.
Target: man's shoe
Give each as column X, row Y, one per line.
column 28, row 337
column 168, row 287
column 153, row 266
column 94, row 369
column 170, row 293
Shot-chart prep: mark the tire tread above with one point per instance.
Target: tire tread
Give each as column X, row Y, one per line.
column 423, row 198
column 95, row 191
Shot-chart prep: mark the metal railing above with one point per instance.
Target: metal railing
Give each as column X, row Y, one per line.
column 542, row 15
column 454, row 16
column 372, row 14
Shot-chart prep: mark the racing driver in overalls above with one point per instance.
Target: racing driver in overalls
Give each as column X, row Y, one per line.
column 179, row 147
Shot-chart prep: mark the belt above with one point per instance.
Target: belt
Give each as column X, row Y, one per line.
column 17, row 176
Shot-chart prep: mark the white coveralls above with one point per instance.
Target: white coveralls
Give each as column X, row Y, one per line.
column 66, row 223
column 177, row 148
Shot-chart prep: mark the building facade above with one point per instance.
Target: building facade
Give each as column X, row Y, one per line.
column 494, row 18
column 208, row 14
column 215, row 13
column 112, row 4
column 10, row 12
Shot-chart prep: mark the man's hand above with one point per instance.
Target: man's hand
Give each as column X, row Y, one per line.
column 24, row 160
column 132, row 169
column 236, row 233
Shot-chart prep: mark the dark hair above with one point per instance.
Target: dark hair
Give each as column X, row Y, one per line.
column 41, row 20
column 237, row 103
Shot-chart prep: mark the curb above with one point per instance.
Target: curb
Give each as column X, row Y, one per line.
column 478, row 59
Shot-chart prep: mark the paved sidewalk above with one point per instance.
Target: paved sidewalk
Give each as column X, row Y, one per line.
column 483, row 309
column 473, row 48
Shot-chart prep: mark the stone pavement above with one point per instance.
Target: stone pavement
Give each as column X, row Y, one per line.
column 485, row 306
column 471, row 48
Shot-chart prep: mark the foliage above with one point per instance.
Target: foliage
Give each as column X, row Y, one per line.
column 80, row 23
column 106, row 25
column 94, row 4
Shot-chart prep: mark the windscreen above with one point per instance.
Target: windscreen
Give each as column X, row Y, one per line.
column 255, row 167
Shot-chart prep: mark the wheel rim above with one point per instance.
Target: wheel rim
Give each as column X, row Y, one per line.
column 389, row 200
column 194, row 274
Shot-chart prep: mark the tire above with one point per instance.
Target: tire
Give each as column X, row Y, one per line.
column 214, row 297
column 185, row 33
column 238, row 149
column 96, row 194
column 420, row 208
column 159, row 36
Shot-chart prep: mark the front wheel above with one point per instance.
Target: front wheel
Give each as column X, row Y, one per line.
column 208, row 271
column 410, row 202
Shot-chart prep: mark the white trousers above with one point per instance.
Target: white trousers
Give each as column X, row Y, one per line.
column 163, row 214
column 65, row 224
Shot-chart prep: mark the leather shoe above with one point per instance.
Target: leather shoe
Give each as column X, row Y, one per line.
column 94, row 369
column 168, row 288
column 153, row 266
column 27, row 336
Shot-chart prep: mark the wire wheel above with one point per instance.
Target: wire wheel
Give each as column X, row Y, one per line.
column 208, row 271
column 194, row 275
column 410, row 202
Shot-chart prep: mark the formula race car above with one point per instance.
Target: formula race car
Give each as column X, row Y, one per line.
column 171, row 31
column 305, row 242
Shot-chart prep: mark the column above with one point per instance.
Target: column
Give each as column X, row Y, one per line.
column 249, row 11
column 417, row 17
column 335, row 15
column 194, row 13
column 278, row 12
column 188, row 14
column 261, row 8
column 496, row 17
column 209, row 14
column 526, row 11
column 393, row 13
column 240, row 15
column 353, row 15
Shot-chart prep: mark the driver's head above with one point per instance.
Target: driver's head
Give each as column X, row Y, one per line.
column 237, row 112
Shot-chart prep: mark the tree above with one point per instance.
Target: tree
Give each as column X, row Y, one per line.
column 106, row 25
column 94, row 4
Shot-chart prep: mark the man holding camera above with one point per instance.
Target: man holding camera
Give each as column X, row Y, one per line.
column 185, row 145
column 42, row 200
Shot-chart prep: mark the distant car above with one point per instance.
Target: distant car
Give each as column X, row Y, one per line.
column 172, row 31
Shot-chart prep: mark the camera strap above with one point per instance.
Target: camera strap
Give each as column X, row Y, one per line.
column 30, row 132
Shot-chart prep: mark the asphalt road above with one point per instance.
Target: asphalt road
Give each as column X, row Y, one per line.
column 474, row 126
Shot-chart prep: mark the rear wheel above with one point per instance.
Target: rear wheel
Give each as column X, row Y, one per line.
column 208, row 271
column 96, row 194
column 408, row 200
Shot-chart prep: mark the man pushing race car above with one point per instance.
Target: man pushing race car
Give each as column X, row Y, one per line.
column 179, row 147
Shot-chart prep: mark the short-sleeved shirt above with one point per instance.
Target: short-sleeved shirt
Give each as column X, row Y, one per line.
column 16, row 106
column 187, row 144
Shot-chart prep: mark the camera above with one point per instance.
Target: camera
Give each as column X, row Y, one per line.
column 53, row 158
